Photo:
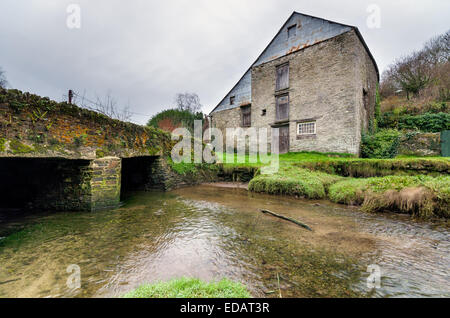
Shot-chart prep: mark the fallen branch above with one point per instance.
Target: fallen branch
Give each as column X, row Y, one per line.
column 303, row 225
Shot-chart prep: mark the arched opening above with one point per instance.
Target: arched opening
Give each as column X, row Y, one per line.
column 140, row 174
column 29, row 184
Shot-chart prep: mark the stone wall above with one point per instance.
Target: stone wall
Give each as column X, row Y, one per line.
column 105, row 183
column 420, row 144
column 227, row 119
column 164, row 177
column 366, row 80
column 32, row 126
column 327, row 81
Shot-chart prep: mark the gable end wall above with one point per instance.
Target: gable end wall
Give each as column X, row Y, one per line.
column 326, row 84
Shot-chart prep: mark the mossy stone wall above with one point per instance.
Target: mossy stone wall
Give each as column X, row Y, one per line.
column 105, row 183
column 34, row 126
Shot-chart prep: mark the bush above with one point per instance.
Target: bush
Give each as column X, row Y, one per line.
column 427, row 122
column 190, row 288
column 383, row 144
column 173, row 118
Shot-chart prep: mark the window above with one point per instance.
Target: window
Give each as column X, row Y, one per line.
column 282, row 77
column 264, row 112
column 308, row 128
column 365, row 99
column 232, row 98
column 282, row 107
column 292, row 31
column 246, row 116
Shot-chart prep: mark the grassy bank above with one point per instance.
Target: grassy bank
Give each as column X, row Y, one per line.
column 419, row 186
column 347, row 165
column 190, row 288
column 421, row 196
column 291, row 180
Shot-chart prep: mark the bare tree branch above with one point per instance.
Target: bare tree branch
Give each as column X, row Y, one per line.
column 106, row 106
column 189, row 102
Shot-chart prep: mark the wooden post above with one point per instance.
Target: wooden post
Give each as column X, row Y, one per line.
column 70, row 96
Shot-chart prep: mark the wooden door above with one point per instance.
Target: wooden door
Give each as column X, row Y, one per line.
column 284, row 139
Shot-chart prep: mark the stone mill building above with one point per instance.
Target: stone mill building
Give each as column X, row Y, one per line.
column 315, row 81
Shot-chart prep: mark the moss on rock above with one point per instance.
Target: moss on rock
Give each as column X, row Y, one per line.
column 2, row 144
column 20, row 148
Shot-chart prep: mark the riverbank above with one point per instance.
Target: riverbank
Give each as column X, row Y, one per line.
column 420, row 196
column 418, row 186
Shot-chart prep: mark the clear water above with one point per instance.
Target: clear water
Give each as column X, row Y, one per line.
column 212, row 233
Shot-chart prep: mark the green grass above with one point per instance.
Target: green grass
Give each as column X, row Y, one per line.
column 424, row 196
column 348, row 191
column 406, row 184
column 244, row 160
column 190, row 288
column 349, row 166
column 294, row 181
column 189, row 168
column 420, row 195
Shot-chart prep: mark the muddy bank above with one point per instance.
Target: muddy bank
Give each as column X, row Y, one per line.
column 228, row 185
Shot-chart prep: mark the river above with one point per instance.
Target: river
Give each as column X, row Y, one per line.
column 211, row 233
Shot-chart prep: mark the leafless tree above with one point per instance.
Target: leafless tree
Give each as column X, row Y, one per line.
column 412, row 73
column 438, row 49
column 106, row 106
column 416, row 71
column 3, row 81
column 189, row 102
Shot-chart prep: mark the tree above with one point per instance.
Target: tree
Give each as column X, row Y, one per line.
column 3, row 81
column 171, row 119
column 413, row 72
column 426, row 68
column 189, row 102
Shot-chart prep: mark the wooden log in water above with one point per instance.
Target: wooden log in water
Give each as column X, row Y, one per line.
column 303, row 225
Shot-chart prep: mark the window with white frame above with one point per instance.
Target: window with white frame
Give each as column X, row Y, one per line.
column 307, row 128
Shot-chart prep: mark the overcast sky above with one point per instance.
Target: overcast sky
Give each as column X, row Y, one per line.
column 144, row 52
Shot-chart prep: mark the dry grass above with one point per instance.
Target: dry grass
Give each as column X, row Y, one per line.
column 421, row 196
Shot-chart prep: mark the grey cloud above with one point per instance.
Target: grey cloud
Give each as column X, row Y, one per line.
column 145, row 52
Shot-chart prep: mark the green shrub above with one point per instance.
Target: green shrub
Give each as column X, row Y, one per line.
column 373, row 123
column 179, row 118
column 383, row 144
column 190, row 288
column 427, row 122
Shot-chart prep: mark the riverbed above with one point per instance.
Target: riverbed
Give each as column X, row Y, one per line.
column 212, row 233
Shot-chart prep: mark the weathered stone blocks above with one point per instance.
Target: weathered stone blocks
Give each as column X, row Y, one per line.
column 332, row 83
column 105, row 183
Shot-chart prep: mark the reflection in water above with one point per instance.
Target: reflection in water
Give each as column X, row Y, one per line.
column 212, row 233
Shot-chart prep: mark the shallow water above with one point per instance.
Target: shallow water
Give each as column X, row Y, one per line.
column 211, row 233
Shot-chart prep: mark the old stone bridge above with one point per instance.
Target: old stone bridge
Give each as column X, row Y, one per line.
column 58, row 156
